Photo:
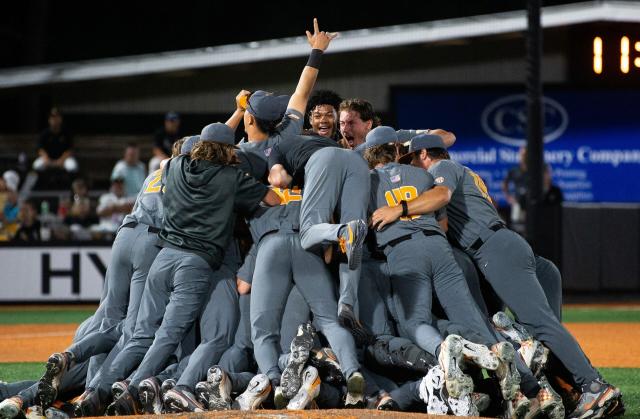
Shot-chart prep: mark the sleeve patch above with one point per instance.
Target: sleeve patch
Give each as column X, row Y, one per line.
column 439, row 179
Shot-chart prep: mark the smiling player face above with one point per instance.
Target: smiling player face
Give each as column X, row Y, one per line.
column 323, row 120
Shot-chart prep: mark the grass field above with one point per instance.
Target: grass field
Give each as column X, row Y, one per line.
column 628, row 379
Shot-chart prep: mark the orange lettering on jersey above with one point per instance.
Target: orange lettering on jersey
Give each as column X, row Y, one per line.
column 403, row 193
column 288, row 195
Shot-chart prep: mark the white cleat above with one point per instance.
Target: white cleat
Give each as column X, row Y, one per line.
column 507, row 373
column 220, row 396
column 257, row 391
column 308, row 391
column 10, row 408
column 430, row 391
column 451, row 358
column 480, row 355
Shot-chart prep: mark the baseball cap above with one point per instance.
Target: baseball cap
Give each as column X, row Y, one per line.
column 378, row 136
column 171, row 116
column 188, row 144
column 219, row 133
column 266, row 106
column 405, row 135
column 422, row 142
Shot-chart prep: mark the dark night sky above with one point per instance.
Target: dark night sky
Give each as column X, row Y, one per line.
column 41, row 31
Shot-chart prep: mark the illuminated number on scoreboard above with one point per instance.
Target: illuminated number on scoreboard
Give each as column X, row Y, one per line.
column 624, row 54
column 597, row 55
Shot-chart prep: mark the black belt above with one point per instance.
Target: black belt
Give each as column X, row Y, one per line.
column 401, row 239
column 150, row 229
column 478, row 243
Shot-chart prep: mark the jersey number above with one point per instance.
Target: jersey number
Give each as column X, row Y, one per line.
column 154, row 186
column 403, row 193
column 288, row 195
column 480, row 185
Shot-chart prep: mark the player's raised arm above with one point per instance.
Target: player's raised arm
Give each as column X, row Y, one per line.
column 319, row 41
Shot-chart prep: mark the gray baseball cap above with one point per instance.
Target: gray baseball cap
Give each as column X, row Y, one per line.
column 188, row 144
column 219, row 133
column 266, row 106
column 422, row 142
column 378, row 136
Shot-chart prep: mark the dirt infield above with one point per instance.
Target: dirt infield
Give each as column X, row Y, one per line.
column 307, row 414
column 606, row 344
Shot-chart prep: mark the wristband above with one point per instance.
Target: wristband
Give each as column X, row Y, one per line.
column 405, row 208
column 315, row 58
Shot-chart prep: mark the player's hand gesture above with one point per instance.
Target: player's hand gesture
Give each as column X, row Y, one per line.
column 320, row 39
column 242, row 99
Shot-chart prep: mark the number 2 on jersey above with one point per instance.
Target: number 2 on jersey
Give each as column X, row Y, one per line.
column 403, row 193
column 154, row 186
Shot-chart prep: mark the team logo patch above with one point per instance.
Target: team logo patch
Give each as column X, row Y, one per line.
column 267, row 151
column 395, row 179
column 439, row 179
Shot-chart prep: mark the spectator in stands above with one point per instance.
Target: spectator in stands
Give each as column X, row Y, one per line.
column 80, row 212
column 131, row 169
column 29, row 231
column 9, row 204
column 552, row 193
column 55, row 147
column 356, row 120
column 164, row 139
column 112, row 207
column 322, row 113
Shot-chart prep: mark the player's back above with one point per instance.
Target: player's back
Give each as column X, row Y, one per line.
column 393, row 183
column 148, row 208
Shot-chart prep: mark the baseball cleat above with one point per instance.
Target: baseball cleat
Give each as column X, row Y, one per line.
column 48, row 385
column 89, row 404
column 481, row 401
column 118, row 388
column 220, row 395
column 348, row 320
column 451, row 357
column 178, row 401
column 518, row 407
column 124, row 405
column 308, row 391
column 480, row 355
column 549, row 401
column 507, row 373
column 149, row 395
column 351, row 238
column 510, row 328
column 355, row 391
column 203, row 392
column 430, row 391
column 11, row 407
column 257, row 391
column 291, row 379
column 55, row 413
column 463, row 406
column 34, row 412
column 167, row 385
column 597, row 399
column 325, row 360
column 279, row 401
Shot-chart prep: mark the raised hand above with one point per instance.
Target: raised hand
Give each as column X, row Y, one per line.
column 320, row 39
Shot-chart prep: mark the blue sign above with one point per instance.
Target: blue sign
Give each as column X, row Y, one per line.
column 592, row 137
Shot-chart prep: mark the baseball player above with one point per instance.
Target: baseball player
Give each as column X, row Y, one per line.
column 322, row 114
column 202, row 193
column 411, row 278
column 132, row 254
column 505, row 259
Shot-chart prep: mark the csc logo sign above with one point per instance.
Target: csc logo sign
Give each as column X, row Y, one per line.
column 505, row 120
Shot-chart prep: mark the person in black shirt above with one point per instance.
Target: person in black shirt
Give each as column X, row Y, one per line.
column 163, row 140
column 55, row 146
column 203, row 192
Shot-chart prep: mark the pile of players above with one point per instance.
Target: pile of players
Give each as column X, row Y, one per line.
column 308, row 269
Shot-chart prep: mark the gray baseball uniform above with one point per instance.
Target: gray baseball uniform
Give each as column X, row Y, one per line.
column 507, row 262
column 280, row 261
column 200, row 202
column 412, row 277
